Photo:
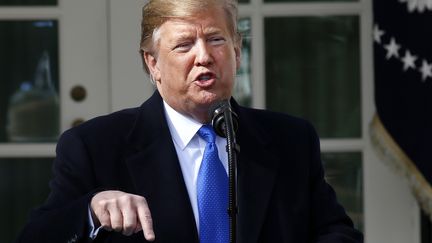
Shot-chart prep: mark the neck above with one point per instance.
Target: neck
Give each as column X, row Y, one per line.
column 201, row 117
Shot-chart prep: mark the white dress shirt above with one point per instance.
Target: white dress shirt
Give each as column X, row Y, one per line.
column 190, row 149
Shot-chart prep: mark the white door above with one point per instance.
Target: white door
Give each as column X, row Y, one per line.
column 54, row 71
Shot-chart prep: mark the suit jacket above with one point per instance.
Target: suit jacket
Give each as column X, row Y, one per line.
column 283, row 196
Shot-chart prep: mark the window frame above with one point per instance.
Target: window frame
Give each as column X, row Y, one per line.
column 387, row 200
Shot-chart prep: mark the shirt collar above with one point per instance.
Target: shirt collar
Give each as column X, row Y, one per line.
column 182, row 128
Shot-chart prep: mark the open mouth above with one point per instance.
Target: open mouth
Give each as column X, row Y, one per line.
column 206, row 76
column 205, row 79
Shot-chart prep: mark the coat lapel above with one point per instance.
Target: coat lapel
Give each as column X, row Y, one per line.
column 256, row 176
column 156, row 174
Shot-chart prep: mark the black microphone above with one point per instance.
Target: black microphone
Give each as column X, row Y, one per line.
column 218, row 112
column 225, row 124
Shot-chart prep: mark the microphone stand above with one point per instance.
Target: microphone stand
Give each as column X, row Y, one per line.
column 233, row 149
column 225, row 126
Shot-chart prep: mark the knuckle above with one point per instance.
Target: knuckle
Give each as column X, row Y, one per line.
column 108, row 203
column 148, row 218
column 102, row 204
column 147, row 215
column 125, row 197
column 113, row 201
column 150, row 224
column 141, row 200
column 125, row 201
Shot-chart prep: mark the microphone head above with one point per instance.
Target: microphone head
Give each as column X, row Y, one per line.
column 217, row 113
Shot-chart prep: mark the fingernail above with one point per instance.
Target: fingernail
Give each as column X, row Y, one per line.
column 150, row 237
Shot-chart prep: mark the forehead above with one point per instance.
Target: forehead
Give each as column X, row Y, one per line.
column 206, row 22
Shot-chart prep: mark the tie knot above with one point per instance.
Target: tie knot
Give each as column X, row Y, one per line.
column 207, row 133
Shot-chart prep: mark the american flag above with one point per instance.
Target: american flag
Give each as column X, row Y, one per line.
column 402, row 129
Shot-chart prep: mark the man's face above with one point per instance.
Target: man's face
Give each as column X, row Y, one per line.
column 195, row 63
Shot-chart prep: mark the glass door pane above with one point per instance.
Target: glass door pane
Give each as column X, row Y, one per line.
column 313, row 71
column 345, row 174
column 29, row 81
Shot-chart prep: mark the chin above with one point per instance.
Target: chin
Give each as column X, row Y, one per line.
column 208, row 98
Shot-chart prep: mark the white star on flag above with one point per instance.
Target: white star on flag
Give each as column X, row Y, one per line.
column 392, row 49
column 426, row 70
column 377, row 34
column 419, row 5
column 409, row 60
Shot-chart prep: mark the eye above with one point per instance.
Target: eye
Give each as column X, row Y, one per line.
column 217, row 40
column 184, row 46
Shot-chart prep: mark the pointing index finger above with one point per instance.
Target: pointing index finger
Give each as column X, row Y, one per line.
column 146, row 221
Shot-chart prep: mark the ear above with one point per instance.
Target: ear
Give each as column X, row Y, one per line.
column 151, row 63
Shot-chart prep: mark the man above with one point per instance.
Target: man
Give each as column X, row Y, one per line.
column 139, row 169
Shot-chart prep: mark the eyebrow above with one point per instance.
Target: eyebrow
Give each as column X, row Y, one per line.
column 212, row 30
column 208, row 31
column 182, row 35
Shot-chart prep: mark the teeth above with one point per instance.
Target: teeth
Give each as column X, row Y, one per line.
column 205, row 77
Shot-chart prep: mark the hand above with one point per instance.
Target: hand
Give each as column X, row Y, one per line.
column 122, row 212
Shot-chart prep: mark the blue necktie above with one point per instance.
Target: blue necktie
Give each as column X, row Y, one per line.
column 212, row 189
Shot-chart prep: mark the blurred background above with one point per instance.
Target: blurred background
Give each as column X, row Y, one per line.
column 64, row 62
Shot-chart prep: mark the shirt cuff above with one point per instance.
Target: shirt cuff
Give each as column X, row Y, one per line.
column 93, row 231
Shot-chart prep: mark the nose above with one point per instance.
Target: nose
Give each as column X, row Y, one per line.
column 203, row 55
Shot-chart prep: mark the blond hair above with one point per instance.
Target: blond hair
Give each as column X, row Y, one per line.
column 156, row 12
